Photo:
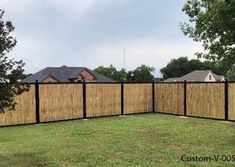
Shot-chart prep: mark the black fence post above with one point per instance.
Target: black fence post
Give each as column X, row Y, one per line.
column 37, row 102
column 153, row 95
column 122, row 99
column 185, row 98
column 84, row 99
column 226, row 99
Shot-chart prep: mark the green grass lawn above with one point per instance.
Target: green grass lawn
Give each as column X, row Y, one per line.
column 140, row 140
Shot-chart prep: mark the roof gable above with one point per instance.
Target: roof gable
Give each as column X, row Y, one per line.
column 50, row 79
column 85, row 70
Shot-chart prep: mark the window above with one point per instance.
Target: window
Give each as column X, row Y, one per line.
column 209, row 77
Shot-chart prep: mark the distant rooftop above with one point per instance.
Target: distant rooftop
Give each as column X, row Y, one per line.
column 197, row 76
column 64, row 74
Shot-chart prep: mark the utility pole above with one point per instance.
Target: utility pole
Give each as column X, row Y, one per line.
column 124, row 58
column 124, row 62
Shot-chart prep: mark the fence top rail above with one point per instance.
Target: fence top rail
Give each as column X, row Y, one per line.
column 33, row 83
column 55, row 83
column 119, row 82
column 58, row 83
column 138, row 82
column 194, row 82
column 156, row 82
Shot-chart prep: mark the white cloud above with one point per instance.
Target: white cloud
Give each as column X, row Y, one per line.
column 28, row 8
column 144, row 51
column 77, row 6
column 19, row 8
column 64, row 32
column 37, row 54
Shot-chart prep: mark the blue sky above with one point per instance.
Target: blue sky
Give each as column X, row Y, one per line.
column 95, row 32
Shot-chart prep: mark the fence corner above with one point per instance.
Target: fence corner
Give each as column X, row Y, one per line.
column 153, row 96
column 84, row 99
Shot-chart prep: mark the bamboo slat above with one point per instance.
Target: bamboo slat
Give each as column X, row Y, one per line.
column 169, row 98
column 205, row 100
column 24, row 112
column 103, row 99
column 65, row 101
column 137, row 98
column 231, row 101
column 60, row 102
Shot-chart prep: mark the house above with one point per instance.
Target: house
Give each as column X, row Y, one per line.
column 66, row 74
column 198, row 76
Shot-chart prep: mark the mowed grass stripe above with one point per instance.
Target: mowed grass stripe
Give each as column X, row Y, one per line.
column 134, row 140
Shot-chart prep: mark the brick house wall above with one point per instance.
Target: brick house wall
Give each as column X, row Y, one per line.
column 85, row 75
column 49, row 79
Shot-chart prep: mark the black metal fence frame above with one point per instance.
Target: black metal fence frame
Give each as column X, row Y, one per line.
column 37, row 100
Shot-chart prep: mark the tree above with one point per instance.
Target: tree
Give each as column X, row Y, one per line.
column 230, row 75
column 11, row 71
column 112, row 72
column 121, row 75
column 142, row 73
column 181, row 66
column 213, row 24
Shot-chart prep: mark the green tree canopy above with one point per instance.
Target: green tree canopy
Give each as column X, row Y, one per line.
column 230, row 75
column 112, row 72
column 11, row 71
column 181, row 66
column 142, row 73
column 212, row 22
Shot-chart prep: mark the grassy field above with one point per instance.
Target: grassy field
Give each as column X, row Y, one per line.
column 140, row 140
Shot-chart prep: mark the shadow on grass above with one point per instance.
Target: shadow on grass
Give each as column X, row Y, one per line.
column 26, row 159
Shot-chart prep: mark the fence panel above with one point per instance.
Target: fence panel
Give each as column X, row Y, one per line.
column 137, row 98
column 65, row 101
column 231, row 101
column 103, row 99
column 24, row 112
column 205, row 100
column 60, row 102
column 169, row 98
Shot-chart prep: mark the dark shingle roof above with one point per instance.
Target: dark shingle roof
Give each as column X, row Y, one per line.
column 63, row 74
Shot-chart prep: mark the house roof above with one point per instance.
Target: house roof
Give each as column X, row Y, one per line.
column 63, row 74
column 197, row 75
column 171, row 80
column 218, row 77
